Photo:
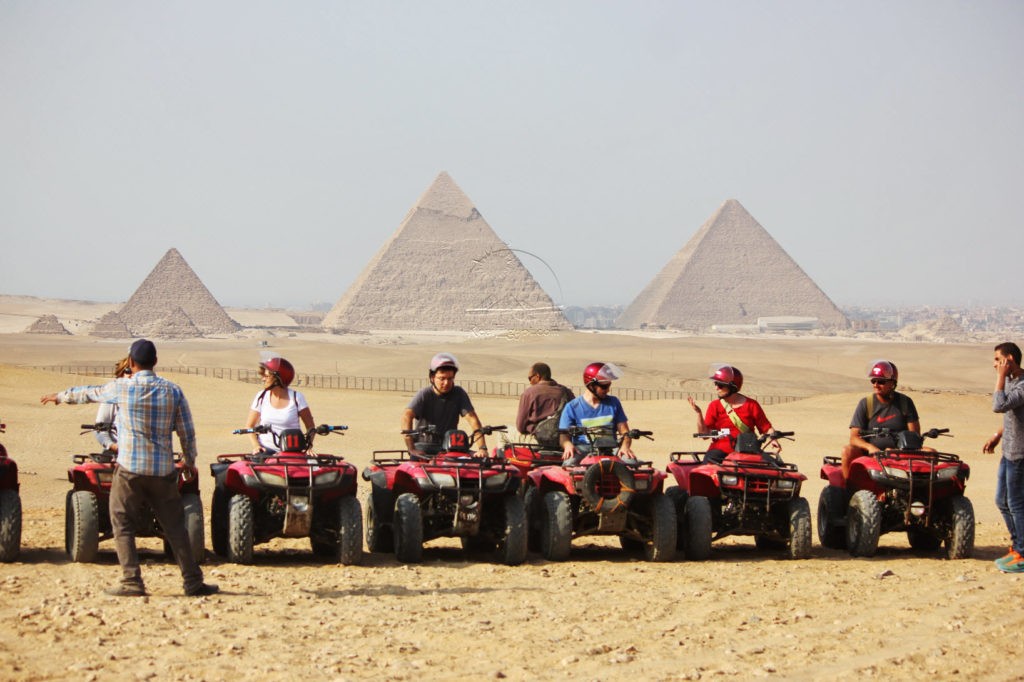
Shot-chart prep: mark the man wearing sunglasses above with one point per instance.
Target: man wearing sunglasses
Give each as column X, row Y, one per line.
column 885, row 408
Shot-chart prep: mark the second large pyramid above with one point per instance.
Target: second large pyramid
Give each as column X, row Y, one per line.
column 731, row 272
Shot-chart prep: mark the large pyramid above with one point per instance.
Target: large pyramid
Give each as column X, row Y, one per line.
column 445, row 269
column 731, row 272
column 170, row 290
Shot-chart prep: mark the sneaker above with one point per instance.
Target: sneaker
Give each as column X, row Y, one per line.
column 202, row 590
column 1014, row 565
column 126, row 591
column 1009, row 556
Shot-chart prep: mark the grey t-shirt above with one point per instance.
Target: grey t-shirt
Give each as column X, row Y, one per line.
column 443, row 411
column 1010, row 402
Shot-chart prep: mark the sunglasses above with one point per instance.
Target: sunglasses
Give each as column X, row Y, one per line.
column 877, row 382
column 606, row 386
column 722, row 384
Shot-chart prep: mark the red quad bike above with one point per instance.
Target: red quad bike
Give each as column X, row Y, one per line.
column 602, row 495
column 440, row 490
column 526, row 457
column 291, row 493
column 752, row 492
column 901, row 488
column 87, row 510
column 10, row 506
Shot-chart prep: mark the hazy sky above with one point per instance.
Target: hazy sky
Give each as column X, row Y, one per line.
column 277, row 145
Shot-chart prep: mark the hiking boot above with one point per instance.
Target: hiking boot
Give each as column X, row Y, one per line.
column 202, row 590
column 1014, row 565
column 126, row 591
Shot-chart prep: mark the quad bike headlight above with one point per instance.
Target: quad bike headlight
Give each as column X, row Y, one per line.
column 728, row 479
column 641, row 484
column 273, row 479
column 785, row 484
column 947, row 474
column 326, row 479
column 496, row 481
column 893, row 472
column 442, row 480
column 105, row 477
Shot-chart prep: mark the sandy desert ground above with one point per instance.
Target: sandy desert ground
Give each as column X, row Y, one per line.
column 601, row 615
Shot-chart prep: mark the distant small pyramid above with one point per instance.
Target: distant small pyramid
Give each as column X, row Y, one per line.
column 731, row 272
column 445, row 269
column 174, row 325
column 111, row 326
column 47, row 324
column 172, row 285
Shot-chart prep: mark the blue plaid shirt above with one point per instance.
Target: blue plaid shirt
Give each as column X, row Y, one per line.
column 149, row 409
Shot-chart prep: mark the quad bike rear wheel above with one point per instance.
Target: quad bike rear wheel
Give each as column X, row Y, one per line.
column 534, row 517
column 863, row 524
column 960, row 543
column 240, row 529
column 831, row 508
column 379, row 538
column 408, row 529
column 349, row 550
column 697, row 517
column 556, row 529
column 512, row 545
column 193, row 529
column 678, row 497
column 219, row 512
column 661, row 546
column 81, row 526
column 799, row 528
column 10, row 524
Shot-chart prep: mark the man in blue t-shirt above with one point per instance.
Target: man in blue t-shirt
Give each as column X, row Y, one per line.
column 594, row 408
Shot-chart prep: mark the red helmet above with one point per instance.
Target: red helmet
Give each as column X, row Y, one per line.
column 883, row 369
column 280, row 368
column 443, row 361
column 597, row 372
column 727, row 374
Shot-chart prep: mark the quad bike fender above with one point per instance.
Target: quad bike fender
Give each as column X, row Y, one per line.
column 8, row 474
column 704, row 483
column 377, row 477
column 553, row 478
column 88, row 477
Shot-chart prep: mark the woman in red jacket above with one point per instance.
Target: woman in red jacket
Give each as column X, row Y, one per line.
column 732, row 412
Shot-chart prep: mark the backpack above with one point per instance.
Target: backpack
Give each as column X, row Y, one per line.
column 546, row 431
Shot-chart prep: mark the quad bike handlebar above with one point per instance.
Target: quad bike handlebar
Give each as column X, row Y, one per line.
column 98, row 426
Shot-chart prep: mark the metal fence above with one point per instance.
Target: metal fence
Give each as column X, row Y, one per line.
column 507, row 389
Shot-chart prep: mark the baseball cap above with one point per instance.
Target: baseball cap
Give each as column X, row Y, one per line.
column 143, row 352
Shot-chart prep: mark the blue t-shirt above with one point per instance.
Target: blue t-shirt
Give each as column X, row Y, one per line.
column 579, row 412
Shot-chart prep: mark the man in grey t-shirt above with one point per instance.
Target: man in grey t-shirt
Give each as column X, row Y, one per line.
column 1008, row 399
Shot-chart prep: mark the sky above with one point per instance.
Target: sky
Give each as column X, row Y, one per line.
column 278, row 145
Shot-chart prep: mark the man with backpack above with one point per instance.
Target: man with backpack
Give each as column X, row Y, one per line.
column 540, row 406
column 884, row 408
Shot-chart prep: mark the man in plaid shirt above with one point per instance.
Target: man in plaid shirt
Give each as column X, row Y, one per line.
column 149, row 410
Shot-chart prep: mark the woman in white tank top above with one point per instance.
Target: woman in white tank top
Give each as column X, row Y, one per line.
column 276, row 405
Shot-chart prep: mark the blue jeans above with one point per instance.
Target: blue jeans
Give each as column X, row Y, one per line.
column 1010, row 499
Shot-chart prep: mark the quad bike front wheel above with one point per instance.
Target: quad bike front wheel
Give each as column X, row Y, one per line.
column 556, row 528
column 661, row 546
column 799, row 545
column 408, row 529
column 960, row 543
column 10, row 524
column 697, row 518
column 81, row 526
column 534, row 517
column 831, row 508
column 863, row 524
column 512, row 545
column 194, row 526
column 240, row 529
column 349, row 550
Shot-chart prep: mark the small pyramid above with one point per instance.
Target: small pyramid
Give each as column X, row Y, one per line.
column 174, row 325
column 111, row 326
column 445, row 269
column 173, row 285
column 47, row 324
column 731, row 272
